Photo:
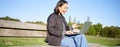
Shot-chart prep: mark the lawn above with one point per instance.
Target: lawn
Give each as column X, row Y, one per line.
column 104, row 41
column 7, row 41
column 12, row 41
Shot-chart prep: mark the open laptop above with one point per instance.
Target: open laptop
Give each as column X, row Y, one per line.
column 84, row 28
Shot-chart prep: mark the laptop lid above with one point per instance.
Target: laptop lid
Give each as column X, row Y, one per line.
column 83, row 30
column 85, row 27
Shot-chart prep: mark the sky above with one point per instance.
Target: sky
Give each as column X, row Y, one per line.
column 106, row 12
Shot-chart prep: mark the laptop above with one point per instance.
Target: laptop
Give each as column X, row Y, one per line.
column 84, row 28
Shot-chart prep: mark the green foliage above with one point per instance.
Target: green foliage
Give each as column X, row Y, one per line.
column 105, row 31
column 97, row 30
column 92, row 31
column 13, row 19
column 113, row 32
column 9, row 18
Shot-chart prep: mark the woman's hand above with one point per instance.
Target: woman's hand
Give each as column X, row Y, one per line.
column 69, row 32
column 76, row 31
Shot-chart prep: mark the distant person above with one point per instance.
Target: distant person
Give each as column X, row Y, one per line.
column 57, row 29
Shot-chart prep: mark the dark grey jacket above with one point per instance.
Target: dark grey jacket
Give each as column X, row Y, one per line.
column 55, row 29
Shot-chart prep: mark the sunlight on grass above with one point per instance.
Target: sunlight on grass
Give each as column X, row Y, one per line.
column 7, row 41
column 12, row 41
column 104, row 41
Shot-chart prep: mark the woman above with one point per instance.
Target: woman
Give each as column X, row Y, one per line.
column 57, row 28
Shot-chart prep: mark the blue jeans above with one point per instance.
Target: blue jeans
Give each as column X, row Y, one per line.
column 75, row 41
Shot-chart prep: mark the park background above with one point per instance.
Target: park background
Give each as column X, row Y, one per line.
column 104, row 15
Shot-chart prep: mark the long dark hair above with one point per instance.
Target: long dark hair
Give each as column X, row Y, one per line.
column 59, row 4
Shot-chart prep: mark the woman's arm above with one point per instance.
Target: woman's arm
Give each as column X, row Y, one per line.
column 52, row 27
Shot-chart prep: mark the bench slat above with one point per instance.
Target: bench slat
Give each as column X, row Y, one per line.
column 22, row 33
column 21, row 25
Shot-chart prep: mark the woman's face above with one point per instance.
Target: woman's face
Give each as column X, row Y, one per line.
column 63, row 9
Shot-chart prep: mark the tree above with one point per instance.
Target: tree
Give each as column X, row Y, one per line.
column 92, row 31
column 9, row 18
column 118, row 32
column 112, row 32
column 105, row 31
column 98, row 28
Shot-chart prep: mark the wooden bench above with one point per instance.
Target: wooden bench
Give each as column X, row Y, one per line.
column 20, row 29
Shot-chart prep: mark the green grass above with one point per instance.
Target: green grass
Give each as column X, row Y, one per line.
column 12, row 41
column 104, row 41
column 7, row 41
